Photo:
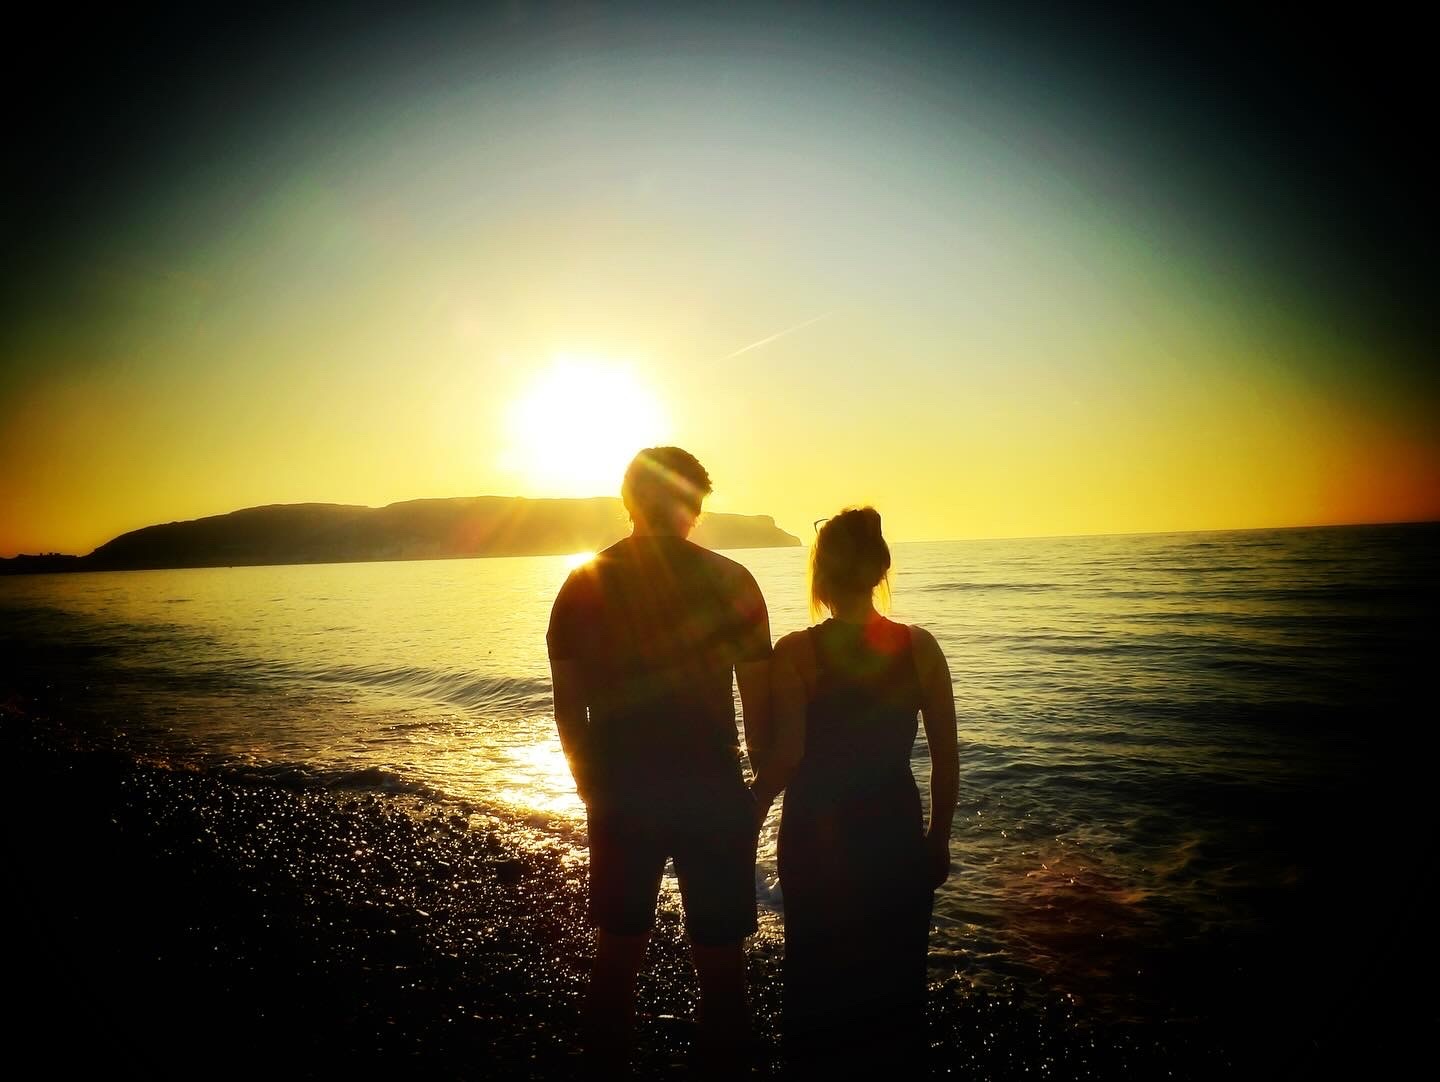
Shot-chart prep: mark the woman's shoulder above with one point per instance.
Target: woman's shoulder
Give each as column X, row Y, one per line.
column 930, row 663
column 923, row 643
column 793, row 643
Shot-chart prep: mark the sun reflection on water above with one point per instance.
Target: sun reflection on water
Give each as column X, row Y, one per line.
column 540, row 780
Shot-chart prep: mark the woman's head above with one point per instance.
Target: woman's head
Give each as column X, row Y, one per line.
column 849, row 559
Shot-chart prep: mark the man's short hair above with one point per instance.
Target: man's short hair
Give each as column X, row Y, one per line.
column 661, row 481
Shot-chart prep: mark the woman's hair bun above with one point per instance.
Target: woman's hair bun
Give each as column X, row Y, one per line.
column 861, row 525
column 849, row 555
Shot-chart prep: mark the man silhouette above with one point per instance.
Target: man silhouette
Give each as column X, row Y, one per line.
column 643, row 641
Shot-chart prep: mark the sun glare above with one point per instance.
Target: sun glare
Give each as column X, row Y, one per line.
column 542, row 779
column 576, row 426
column 578, row 559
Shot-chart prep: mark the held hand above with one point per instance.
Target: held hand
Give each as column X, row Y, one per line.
column 762, row 807
column 937, row 858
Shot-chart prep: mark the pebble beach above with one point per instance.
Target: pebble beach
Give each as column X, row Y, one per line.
column 176, row 919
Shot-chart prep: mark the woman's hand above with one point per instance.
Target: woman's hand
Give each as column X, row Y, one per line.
column 937, row 857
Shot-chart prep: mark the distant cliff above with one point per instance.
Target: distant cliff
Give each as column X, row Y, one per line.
column 413, row 530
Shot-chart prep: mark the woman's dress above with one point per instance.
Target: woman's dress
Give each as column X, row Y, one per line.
column 852, row 855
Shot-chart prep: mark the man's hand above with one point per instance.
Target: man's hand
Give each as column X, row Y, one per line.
column 583, row 788
column 571, row 722
column 937, row 857
column 762, row 806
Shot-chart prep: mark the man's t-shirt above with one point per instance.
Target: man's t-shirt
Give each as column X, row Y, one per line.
column 657, row 625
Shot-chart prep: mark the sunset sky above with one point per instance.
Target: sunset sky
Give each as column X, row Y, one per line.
column 996, row 276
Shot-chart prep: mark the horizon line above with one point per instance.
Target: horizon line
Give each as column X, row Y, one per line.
column 1169, row 533
column 778, row 524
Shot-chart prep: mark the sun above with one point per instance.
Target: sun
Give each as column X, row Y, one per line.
column 575, row 427
column 578, row 559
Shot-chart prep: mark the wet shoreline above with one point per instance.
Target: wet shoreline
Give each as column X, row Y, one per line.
column 175, row 918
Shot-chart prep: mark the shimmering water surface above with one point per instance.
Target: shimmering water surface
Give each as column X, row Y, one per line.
column 1164, row 738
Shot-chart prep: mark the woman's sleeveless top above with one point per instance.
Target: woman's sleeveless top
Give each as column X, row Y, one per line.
column 861, row 721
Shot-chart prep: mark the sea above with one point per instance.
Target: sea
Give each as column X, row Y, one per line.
column 1190, row 762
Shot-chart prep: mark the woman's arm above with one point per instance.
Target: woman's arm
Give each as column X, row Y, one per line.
column 788, row 697
column 937, row 710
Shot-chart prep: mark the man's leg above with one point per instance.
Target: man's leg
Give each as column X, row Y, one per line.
column 627, row 861
column 609, row 1022
column 724, row 1038
column 715, row 862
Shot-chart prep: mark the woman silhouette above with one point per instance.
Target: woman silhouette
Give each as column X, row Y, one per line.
column 858, row 866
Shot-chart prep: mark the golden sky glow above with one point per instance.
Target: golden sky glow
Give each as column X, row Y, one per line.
column 833, row 287
column 574, row 429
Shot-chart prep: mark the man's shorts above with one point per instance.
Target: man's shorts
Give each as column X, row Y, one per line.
column 707, row 826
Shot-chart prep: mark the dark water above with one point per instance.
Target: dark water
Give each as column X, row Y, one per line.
column 1195, row 768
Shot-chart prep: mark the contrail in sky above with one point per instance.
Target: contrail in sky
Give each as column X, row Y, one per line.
column 777, row 334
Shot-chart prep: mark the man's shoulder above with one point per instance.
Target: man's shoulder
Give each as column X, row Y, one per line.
column 583, row 581
column 731, row 572
column 599, row 562
column 616, row 551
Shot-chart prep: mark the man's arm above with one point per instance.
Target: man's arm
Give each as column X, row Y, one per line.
column 572, row 721
column 753, row 680
column 752, row 670
column 786, row 735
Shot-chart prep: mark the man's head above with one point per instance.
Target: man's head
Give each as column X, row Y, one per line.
column 663, row 489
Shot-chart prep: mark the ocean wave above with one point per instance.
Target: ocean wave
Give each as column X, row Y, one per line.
column 464, row 689
column 309, row 776
column 1240, row 594
column 952, row 587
